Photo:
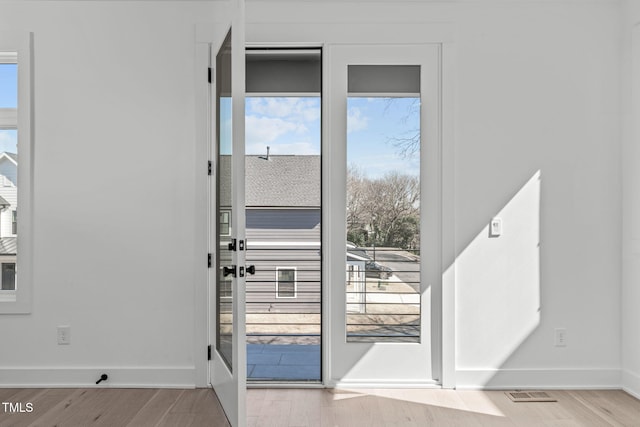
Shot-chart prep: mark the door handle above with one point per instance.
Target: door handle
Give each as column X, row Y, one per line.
column 229, row 270
column 251, row 269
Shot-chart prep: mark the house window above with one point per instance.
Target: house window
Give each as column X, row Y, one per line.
column 9, row 276
column 225, row 223
column 15, row 186
column 286, row 282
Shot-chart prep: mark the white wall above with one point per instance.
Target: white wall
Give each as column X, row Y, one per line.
column 631, row 198
column 114, row 194
column 537, row 142
column 536, row 90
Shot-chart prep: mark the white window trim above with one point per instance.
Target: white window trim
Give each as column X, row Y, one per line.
column 295, row 282
column 18, row 47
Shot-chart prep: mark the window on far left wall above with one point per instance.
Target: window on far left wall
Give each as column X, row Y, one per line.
column 15, row 138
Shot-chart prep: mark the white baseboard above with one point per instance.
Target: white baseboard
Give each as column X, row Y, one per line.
column 348, row 384
column 119, row 377
column 539, row 379
column 631, row 383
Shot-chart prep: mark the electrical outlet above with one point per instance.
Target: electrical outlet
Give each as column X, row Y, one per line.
column 64, row 335
column 561, row 337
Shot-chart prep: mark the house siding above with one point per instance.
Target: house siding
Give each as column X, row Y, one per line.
column 283, row 238
column 283, row 225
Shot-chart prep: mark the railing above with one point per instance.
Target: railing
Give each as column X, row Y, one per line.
column 284, row 312
column 383, row 296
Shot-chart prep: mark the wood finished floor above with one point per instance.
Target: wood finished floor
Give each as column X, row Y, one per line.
column 316, row 407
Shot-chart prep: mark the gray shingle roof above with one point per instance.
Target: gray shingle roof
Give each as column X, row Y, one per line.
column 288, row 181
column 281, row 181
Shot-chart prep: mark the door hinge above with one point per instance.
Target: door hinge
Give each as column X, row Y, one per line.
column 209, row 75
column 209, row 260
column 209, row 352
column 209, row 169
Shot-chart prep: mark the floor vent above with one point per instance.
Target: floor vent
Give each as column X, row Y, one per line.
column 530, row 396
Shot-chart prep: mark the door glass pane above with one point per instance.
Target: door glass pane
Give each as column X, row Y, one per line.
column 383, row 217
column 284, row 229
column 224, row 289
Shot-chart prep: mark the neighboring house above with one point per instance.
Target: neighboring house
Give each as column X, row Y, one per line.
column 356, row 278
column 283, row 231
column 8, row 219
column 283, row 234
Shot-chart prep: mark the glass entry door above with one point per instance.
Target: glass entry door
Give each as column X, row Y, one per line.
column 228, row 358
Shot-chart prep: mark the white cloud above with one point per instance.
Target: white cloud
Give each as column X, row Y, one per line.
column 355, row 120
column 8, row 141
column 292, row 109
column 376, row 164
column 262, row 130
column 284, row 124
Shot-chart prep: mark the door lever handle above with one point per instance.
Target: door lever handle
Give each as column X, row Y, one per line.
column 251, row 269
column 229, row 271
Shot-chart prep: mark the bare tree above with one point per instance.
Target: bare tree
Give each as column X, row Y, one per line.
column 384, row 211
column 355, row 195
column 408, row 144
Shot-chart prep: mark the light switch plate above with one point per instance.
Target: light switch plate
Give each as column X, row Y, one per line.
column 495, row 228
column 64, row 335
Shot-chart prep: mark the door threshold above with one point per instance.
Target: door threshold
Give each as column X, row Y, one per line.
column 285, row 384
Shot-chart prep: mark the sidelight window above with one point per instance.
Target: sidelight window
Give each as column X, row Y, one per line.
column 383, row 203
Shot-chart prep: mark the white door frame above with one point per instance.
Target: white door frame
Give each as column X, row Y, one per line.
column 325, row 34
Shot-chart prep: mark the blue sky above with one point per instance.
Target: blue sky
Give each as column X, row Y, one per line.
column 372, row 123
column 8, row 99
column 8, row 86
column 291, row 125
column 8, row 141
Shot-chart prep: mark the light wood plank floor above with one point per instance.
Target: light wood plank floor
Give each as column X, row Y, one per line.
column 316, row 407
column 441, row 408
column 113, row 408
